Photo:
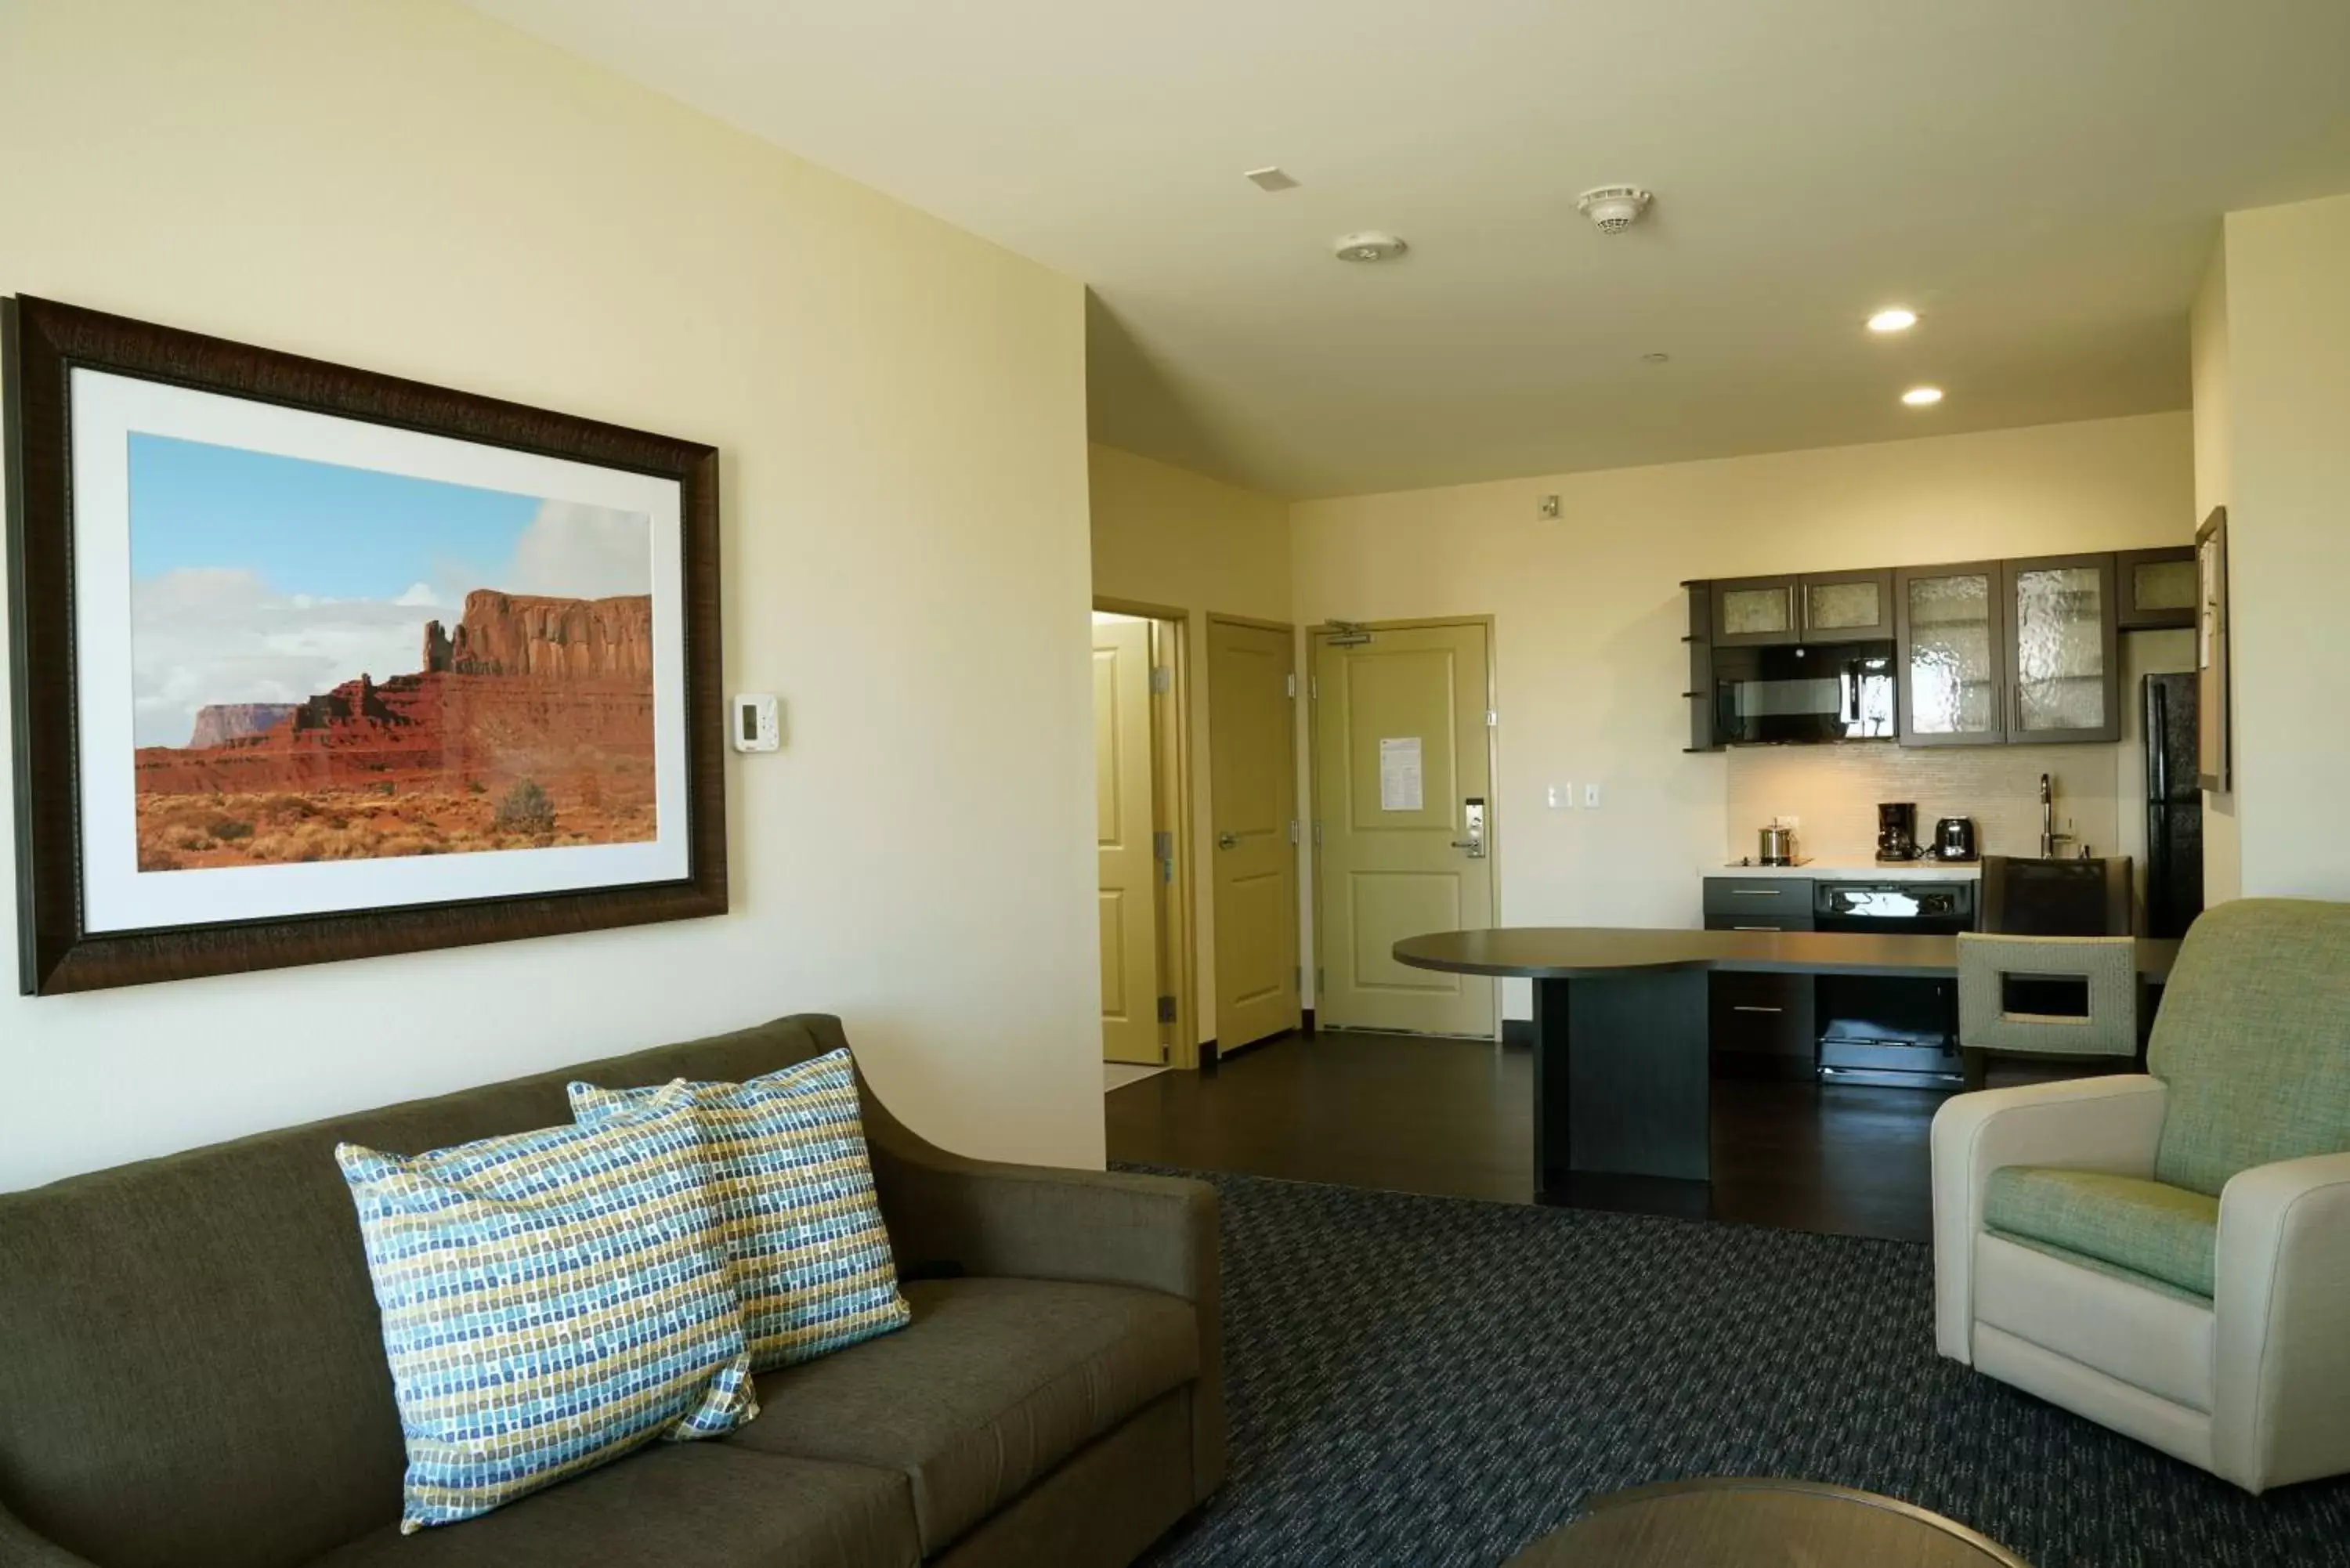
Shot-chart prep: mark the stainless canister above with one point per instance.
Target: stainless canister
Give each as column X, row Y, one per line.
column 1778, row 847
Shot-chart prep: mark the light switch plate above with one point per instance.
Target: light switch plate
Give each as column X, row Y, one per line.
column 1591, row 796
column 1560, row 797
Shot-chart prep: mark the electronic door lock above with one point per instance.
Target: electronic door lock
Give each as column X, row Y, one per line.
column 1475, row 811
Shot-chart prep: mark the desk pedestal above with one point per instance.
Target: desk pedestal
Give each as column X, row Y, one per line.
column 1622, row 1069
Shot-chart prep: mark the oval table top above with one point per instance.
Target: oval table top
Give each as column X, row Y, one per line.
column 1719, row 1522
column 1564, row 952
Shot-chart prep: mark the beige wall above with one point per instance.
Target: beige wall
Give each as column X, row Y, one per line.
column 1589, row 613
column 2223, row 874
column 901, row 406
column 1169, row 538
column 2287, row 412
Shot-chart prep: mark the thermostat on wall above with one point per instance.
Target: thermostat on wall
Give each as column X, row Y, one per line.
column 757, row 726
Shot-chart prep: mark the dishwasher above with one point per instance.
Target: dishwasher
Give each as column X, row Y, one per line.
column 1878, row 1030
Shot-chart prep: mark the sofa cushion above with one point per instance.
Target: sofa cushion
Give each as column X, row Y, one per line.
column 993, row 1382
column 551, row 1300
column 2165, row 1232
column 806, row 1254
column 702, row 1503
column 203, row 1323
column 2253, row 1039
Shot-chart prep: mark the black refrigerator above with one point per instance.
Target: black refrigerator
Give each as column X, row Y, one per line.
column 2174, row 807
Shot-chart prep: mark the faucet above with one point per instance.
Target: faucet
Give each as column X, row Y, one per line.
column 2049, row 836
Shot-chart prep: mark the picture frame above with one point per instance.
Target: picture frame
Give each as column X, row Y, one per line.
column 2213, row 736
column 237, row 744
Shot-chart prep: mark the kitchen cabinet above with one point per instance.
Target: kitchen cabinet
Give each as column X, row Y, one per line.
column 1763, row 1024
column 2063, row 649
column 1756, row 610
column 1817, row 606
column 2155, row 588
column 1952, row 654
column 1758, row 903
column 1846, row 606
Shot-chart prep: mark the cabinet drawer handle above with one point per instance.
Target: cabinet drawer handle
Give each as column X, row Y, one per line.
column 1745, row 1007
column 1754, row 892
column 1754, row 927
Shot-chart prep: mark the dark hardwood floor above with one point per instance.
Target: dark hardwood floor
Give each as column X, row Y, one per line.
column 1454, row 1117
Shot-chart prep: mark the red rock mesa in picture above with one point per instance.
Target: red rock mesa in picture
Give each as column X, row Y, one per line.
column 529, row 724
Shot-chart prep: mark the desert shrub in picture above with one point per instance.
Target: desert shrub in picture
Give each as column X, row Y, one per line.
column 524, row 809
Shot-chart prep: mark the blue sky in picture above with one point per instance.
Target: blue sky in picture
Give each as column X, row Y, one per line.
column 315, row 528
column 256, row 577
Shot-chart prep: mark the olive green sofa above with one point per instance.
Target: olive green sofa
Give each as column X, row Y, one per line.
column 2168, row 1252
column 191, row 1371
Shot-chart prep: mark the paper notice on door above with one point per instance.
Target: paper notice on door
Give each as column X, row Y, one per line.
column 1400, row 773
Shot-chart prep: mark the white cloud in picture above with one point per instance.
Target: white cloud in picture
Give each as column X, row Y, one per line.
column 211, row 635
column 576, row 551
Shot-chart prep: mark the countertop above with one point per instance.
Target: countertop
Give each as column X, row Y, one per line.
column 1830, row 870
column 1561, row 952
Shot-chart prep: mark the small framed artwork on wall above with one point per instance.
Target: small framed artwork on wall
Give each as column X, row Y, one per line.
column 2212, row 738
column 314, row 663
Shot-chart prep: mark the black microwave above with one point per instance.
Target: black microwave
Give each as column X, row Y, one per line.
column 1804, row 693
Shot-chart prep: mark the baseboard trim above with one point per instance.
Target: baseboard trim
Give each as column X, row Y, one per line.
column 1518, row 1032
column 1305, row 1021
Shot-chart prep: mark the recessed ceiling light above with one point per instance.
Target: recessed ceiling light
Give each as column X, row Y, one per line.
column 1271, row 178
column 1893, row 319
column 1922, row 397
column 1657, row 359
column 1370, row 245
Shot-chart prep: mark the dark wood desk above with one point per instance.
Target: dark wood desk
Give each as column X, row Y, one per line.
column 1622, row 1058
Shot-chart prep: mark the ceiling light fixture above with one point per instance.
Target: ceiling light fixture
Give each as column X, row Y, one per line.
column 1656, row 358
column 1894, row 318
column 1271, row 178
column 1370, row 245
column 1922, row 397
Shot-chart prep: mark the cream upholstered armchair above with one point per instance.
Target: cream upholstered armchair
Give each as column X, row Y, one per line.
column 2168, row 1252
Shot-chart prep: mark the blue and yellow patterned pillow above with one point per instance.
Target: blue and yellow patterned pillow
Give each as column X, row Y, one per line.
column 794, row 1194
column 551, row 1301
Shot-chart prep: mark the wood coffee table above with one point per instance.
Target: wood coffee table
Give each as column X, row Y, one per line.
column 1723, row 1522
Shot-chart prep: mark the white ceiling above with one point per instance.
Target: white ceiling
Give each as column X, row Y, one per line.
column 2041, row 179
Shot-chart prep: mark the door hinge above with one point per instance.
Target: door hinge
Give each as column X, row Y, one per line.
column 1166, row 1010
column 1296, row 834
column 1162, row 844
column 1297, row 978
column 1162, row 681
column 1318, row 836
column 1492, row 718
column 1320, row 984
column 1289, row 685
column 1314, row 686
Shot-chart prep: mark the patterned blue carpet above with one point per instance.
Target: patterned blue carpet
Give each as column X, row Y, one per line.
column 1431, row 1382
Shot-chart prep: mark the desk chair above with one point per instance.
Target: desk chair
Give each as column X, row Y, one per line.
column 2069, row 998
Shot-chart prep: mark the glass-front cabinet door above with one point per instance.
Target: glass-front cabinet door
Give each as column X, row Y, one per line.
column 1953, row 642
column 1754, row 610
column 1846, row 606
column 2064, row 651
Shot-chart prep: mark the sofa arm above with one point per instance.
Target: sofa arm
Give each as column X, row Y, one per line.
column 2280, row 1404
column 2084, row 1124
column 946, row 1211
column 20, row 1548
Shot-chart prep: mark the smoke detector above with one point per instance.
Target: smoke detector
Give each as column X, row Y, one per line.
column 1370, row 245
column 1615, row 208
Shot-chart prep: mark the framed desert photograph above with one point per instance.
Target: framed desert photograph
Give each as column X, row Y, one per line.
column 2212, row 734
column 313, row 663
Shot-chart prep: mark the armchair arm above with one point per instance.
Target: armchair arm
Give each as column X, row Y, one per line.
column 20, row 1548
column 2109, row 1124
column 1044, row 1222
column 2281, row 1406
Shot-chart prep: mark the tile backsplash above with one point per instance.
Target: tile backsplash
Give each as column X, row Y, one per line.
column 1835, row 790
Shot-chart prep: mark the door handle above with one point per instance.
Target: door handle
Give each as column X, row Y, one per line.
column 1746, row 1007
column 1475, row 811
column 1228, row 841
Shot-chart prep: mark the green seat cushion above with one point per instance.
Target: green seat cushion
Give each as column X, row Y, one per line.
column 2150, row 1227
column 2253, row 1039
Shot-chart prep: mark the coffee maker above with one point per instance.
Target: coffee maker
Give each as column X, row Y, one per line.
column 1897, row 830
